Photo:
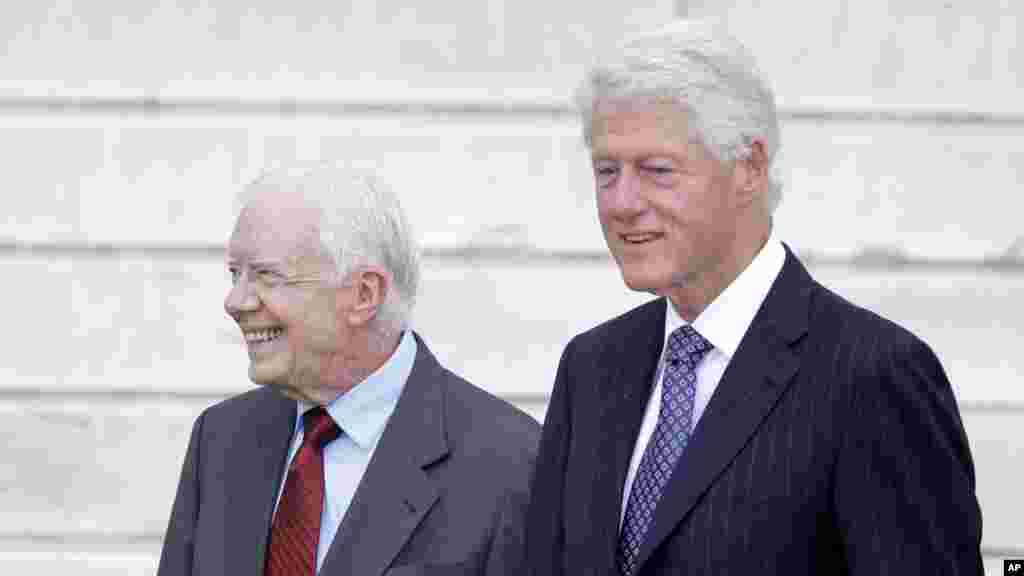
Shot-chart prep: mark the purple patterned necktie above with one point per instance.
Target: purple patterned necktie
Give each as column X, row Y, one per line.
column 686, row 348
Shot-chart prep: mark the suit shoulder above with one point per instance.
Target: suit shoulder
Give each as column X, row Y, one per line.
column 475, row 415
column 856, row 321
column 864, row 339
column 243, row 413
column 239, row 403
column 626, row 323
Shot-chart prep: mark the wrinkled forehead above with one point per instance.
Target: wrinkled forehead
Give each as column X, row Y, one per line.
column 276, row 226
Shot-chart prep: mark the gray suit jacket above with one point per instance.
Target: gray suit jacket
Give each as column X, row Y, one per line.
column 445, row 491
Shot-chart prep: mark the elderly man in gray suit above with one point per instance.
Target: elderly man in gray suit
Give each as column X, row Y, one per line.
column 359, row 453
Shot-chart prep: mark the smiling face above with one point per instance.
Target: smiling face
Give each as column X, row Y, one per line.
column 676, row 220
column 281, row 297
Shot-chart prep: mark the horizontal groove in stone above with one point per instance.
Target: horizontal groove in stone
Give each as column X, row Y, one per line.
column 123, row 539
column 114, row 396
column 280, row 108
column 511, row 254
column 445, row 108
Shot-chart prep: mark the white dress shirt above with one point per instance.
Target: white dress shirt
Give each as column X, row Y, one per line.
column 361, row 413
column 723, row 323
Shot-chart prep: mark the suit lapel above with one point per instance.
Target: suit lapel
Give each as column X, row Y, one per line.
column 256, row 472
column 758, row 374
column 624, row 377
column 395, row 493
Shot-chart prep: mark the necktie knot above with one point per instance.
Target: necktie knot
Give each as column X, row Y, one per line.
column 320, row 428
column 687, row 346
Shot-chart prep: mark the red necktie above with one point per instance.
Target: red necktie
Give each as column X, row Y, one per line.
column 296, row 527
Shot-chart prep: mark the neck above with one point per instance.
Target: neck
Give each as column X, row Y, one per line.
column 344, row 371
column 692, row 295
column 375, row 350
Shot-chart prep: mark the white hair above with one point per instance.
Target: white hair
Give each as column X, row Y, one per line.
column 361, row 223
column 701, row 67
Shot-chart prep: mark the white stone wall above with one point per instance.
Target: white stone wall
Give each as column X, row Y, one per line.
column 126, row 127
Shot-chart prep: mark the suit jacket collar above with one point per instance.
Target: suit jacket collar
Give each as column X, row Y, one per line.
column 756, row 377
column 260, row 446
column 623, row 376
column 395, row 492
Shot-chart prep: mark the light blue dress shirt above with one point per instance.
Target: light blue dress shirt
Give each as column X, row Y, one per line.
column 361, row 413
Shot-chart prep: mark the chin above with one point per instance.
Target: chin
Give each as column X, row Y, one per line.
column 643, row 282
column 264, row 375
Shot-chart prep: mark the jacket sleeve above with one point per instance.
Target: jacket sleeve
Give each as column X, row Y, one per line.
column 904, row 485
column 176, row 556
column 545, row 519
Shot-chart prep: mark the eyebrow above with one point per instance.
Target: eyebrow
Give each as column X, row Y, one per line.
column 275, row 264
column 603, row 157
column 640, row 159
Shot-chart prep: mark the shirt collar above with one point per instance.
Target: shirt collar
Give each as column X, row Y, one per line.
column 727, row 318
column 362, row 412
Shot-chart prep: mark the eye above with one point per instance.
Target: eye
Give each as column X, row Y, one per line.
column 662, row 172
column 657, row 167
column 234, row 274
column 605, row 172
column 269, row 277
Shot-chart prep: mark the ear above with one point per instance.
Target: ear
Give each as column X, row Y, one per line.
column 750, row 174
column 370, row 286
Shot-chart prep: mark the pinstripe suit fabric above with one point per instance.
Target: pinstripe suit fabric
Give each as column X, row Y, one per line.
column 833, row 445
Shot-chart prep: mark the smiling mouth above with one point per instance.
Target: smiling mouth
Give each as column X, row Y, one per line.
column 639, row 238
column 262, row 336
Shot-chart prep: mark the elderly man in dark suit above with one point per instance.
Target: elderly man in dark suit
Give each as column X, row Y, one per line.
column 748, row 421
column 360, row 453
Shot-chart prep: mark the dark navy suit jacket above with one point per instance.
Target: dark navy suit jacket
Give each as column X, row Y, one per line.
column 833, row 445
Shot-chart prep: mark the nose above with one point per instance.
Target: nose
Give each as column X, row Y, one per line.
column 241, row 298
column 623, row 199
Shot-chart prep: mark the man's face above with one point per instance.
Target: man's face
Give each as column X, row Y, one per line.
column 290, row 316
column 665, row 203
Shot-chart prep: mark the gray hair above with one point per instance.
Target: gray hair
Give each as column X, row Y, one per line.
column 705, row 70
column 361, row 223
